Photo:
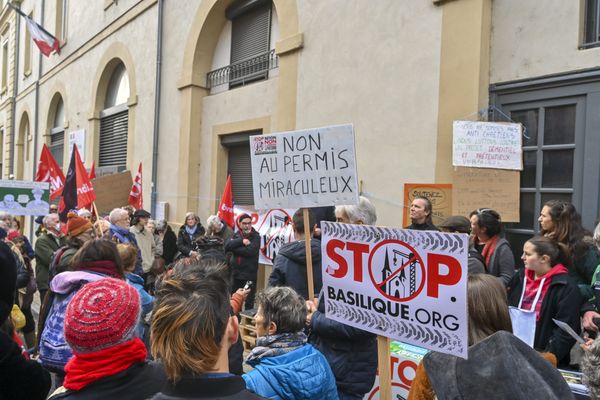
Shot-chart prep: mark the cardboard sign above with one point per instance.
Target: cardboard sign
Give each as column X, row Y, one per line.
column 307, row 168
column 274, row 227
column 487, row 145
column 112, row 191
column 440, row 195
column 475, row 188
column 24, row 197
column 403, row 284
column 404, row 360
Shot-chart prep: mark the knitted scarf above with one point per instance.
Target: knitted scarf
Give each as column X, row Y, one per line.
column 83, row 369
column 104, row 267
column 191, row 231
column 488, row 249
column 275, row 345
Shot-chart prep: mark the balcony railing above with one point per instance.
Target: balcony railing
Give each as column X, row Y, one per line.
column 245, row 71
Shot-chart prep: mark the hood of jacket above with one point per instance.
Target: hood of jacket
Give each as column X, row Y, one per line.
column 65, row 282
column 300, row 374
column 296, row 251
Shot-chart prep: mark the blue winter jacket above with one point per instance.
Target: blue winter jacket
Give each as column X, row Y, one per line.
column 300, row 374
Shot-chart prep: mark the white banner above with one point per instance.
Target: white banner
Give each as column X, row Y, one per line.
column 403, row 284
column 307, row 168
column 273, row 226
column 487, row 145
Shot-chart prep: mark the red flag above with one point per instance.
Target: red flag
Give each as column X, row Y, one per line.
column 48, row 170
column 226, row 207
column 135, row 196
column 92, row 173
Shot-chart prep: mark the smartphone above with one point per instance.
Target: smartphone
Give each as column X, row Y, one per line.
column 247, row 285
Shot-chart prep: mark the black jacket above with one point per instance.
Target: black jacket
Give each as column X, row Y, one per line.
column 225, row 388
column 245, row 258
column 140, row 381
column 561, row 302
column 426, row 226
column 169, row 245
column 20, row 378
column 289, row 268
column 185, row 244
column 351, row 352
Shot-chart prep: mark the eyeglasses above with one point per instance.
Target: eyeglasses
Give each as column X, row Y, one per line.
column 483, row 210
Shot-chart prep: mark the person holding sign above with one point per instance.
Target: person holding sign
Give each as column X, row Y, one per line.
column 244, row 245
column 290, row 264
column 544, row 287
column 285, row 366
column 351, row 352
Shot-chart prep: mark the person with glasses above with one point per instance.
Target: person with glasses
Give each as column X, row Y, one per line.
column 118, row 232
column 486, row 226
column 245, row 246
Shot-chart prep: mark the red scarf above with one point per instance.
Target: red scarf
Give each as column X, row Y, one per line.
column 83, row 369
column 104, row 267
column 488, row 249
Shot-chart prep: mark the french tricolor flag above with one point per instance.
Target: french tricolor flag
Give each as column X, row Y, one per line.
column 44, row 40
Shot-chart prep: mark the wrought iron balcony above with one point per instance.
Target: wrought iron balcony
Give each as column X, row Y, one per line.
column 245, row 71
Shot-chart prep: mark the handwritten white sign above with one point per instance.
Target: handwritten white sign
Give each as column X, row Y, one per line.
column 407, row 285
column 307, row 168
column 487, row 145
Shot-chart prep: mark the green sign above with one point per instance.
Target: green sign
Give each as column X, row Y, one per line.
column 24, row 197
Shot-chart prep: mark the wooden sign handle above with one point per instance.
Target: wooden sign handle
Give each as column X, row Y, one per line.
column 307, row 245
column 385, row 373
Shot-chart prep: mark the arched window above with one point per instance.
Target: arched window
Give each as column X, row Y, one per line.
column 57, row 133
column 114, row 121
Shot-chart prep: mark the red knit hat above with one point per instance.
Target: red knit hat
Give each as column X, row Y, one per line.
column 101, row 315
column 77, row 225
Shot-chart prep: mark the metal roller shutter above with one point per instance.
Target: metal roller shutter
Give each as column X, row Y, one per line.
column 240, row 169
column 57, row 144
column 250, row 33
column 113, row 139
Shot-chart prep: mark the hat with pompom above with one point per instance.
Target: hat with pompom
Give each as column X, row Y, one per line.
column 77, row 225
column 101, row 315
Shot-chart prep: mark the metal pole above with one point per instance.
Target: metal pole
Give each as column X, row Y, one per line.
column 157, row 94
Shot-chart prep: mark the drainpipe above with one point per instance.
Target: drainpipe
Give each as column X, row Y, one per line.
column 15, row 91
column 37, row 101
column 157, row 93
column 36, row 123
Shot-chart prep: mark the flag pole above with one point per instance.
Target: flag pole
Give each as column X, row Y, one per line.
column 97, row 219
column 309, row 264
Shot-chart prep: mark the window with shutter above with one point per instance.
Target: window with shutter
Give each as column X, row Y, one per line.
column 250, row 36
column 57, row 133
column 239, row 166
column 114, row 124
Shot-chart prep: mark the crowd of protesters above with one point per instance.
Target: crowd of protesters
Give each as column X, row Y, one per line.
column 131, row 308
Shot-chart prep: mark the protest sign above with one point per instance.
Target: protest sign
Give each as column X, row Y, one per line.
column 307, row 168
column 404, row 360
column 24, row 197
column 112, row 191
column 274, row 227
column 440, row 195
column 487, row 145
column 497, row 189
column 403, row 284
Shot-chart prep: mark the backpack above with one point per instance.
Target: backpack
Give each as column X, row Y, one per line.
column 54, row 350
column 55, row 261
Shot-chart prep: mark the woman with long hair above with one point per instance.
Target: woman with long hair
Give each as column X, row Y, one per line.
column 486, row 226
column 560, row 221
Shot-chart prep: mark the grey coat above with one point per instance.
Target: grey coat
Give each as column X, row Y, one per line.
column 502, row 262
